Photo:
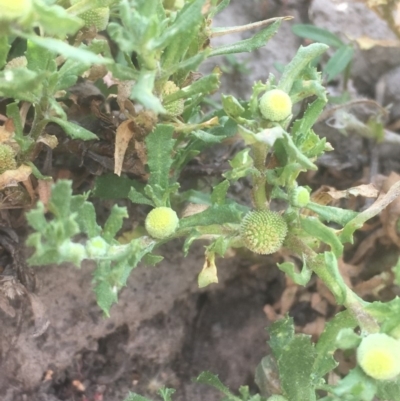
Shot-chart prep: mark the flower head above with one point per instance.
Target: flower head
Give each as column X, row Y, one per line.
column 161, row 222
column 275, row 105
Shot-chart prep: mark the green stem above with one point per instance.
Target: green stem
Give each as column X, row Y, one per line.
column 260, row 151
column 335, row 283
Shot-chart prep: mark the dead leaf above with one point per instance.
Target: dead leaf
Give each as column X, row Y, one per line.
column 50, row 140
column 44, row 191
column 365, row 190
column 11, row 177
column 288, row 298
column 367, row 43
column 124, row 134
column 39, row 314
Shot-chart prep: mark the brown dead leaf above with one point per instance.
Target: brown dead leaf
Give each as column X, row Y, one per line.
column 366, row 246
column 50, row 140
column 193, row 208
column 39, row 314
column 367, row 43
column 124, row 134
column 48, row 376
column 365, row 190
column 11, row 177
column 6, row 131
column 288, row 298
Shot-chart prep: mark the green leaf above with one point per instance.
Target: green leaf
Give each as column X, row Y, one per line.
column 295, row 356
column 310, row 117
column 396, row 271
column 114, row 222
column 87, row 220
column 301, row 278
column 218, row 196
column 38, row 58
column 248, row 45
column 136, row 196
column 23, row 141
column 300, row 61
column 219, row 7
column 143, row 92
column 4, row 49
column 135, row 397
column 106, row 296
column 317, row 34
column 166, row 393
column 339, row 61
column 66, row 50
column 21, row 84
column 314, row 227
column 152, row 260
column 68, row 74
column 56, row 20
column 326, row 345
column 159, row 145
column 60, row 200
column 295, row 153
column 203, row 86
column 232, row 106
column 216, row 214
column 331, row 213
column 190, row 16
column 212, row 380
column 73, row 130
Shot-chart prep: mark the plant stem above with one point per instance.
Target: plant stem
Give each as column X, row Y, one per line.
column 260, row 151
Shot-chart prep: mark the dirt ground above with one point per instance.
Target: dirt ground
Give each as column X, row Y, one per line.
column 164, row 330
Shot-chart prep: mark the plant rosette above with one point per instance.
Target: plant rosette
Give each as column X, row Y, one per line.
column 379, row 356
column 161, row 222
column 263, row 231
column 275, row 105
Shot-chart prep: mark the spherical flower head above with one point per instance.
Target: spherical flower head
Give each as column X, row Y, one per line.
column 263, row 231
column 7, row 159
column 300, row 197
column 176, row 107
column 379, row 356
column 275, row 105
column 97, row 247
column 98, row 17
column 161, row 222
column 15, row 9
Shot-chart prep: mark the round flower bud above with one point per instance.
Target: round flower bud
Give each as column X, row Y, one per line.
column 263, row 231
column 300, row 197
column 98, row 17
column 15, row 9
column 275, row 105
column 176, row 107
column 7, row 158
column 161, row 222
column 379, row 356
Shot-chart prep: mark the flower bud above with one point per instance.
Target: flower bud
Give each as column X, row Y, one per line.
column 300, row 197
column 379, row 356
column 15, row 9
column 7, row 158
column 161, row 222
column 275, row 105
column 176, row 107
column 263, row 231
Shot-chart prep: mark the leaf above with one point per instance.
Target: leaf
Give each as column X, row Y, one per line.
column 159, row 152
column 317, row 34
column 189, row 16
column 367, row 43
column 56, row 20
column 388, row 390
column 22, row 173
column 338, row 62
column 106, row 296
column 114, row 222
column 216, row 214
column 310, row 117
column 331, row 213
column 218, row 196
column 109, row 186
column 326, row 345
column 302, row 58
column 248, row 45
column 295, row 356
column 4, row 49
column 66, row 50
column 208, row 274
column 212, row 380
column 143, row 92
column 73, row 130
column 124, row 134
column 232, row 106
column 314, row 227
column 301, row 278
column 241, row 164
column 86, row 219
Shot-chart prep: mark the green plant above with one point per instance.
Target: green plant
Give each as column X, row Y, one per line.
column 156, row 51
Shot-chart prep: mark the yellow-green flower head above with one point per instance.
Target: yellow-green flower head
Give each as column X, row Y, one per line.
column 300, row 197
column 14, row 9
column 98, row 17
column 379, row 356
column 173, row 108
column 263, row 231
column 161, row 222
column 275, row 105
column 7, row 158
